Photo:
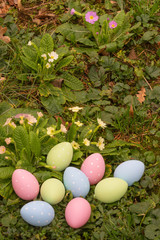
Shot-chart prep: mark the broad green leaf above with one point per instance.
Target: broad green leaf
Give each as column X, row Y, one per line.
column 21, row 138
column 8, row 220
column 71, row 81
column 46, row 44
column 44, row 175
column 109, row 47
column 86, row 42
column 29, row 63
column 6, row 172
column 142, row 207
column 35, row 144
column 53, row 104
column 120, row 4
column 30, row 52
column 6, row 188
column 119, row 18
column 152, row 232
column 77, row 155
column 71, row 134
column 64, row 62
column 48, row 145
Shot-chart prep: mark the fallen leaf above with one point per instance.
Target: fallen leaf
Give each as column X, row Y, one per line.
column 131, row 112
column 141, row 95
column 57, row 83
column 37, row 21
column 20, row 7
column 2, row 32
column 132, row 54
column 3, row 9
column 2, row 79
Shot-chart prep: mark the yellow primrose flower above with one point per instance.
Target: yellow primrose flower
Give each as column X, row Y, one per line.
column 51, row 131
column 101, row 123
column 75, row 109
column 79, row 124
column 75, row 145
column 86, row 142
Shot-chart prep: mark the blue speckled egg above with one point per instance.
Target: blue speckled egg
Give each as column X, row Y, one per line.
column 131, row 171
column 76, row 181
column 37, row 213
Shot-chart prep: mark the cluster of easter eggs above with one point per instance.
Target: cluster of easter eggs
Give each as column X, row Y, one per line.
column 78, row 181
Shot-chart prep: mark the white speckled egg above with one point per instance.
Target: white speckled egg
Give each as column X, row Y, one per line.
column 37, row 213
column 60, row 156
column 25, row 184
column 131, row 171
column 76, row 181
column 94, row 167
column 110, row 190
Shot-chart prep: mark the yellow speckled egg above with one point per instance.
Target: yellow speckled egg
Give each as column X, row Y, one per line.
column 52, row 191
column 110, row 189
column 60, row 156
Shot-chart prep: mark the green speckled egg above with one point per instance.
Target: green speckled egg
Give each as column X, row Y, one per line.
column 52, row 191
column 110, row 189
column 60, row 156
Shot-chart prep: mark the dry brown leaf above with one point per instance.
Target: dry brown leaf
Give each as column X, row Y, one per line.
column 131, row 112
column 132, row 54
column 3, row 9
column 20, row 7
column 2, row 32
column 141, row 95
column 37, row 21
column 2, row 79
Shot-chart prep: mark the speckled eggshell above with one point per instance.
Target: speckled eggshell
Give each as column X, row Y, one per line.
column 76, row 181
column 37, row 213
column 131, row 171
column 94, row 168
column 25, row 184
column 52, row 191
column 77, row 212
column 110, row 190
column 60, row 156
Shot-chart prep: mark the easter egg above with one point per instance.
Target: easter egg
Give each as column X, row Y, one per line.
column 131, row 171
column 60, row 156
column 76, row 181
column 110, row 189
column 25, row 184
column 77, row 212
column 37, row 213
column 94, row 168
column 52, row 191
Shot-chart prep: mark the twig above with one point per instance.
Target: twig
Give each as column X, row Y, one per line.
column 147, row 82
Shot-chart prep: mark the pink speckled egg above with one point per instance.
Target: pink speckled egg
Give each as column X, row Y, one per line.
column 78, row 212
column 25, row 184
column 94, row 168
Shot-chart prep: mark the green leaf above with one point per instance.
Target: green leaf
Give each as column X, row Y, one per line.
column 120, row 4
column 44, row 175
column 6, row 172
column 29, row 52
column 46, row 44
column 147, row 36
column 71, row 81
column 77, row 154
column 152, row 231
column 64, row 62
column 71, row 134
column 86, row 42
column 6, row 188
column 29, row 63
column 35, row 144
column 48, row 145
column 53, row 104
column 21, row 138
column 142, row 207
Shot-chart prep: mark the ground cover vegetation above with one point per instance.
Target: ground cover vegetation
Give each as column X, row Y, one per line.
column 86, row 72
